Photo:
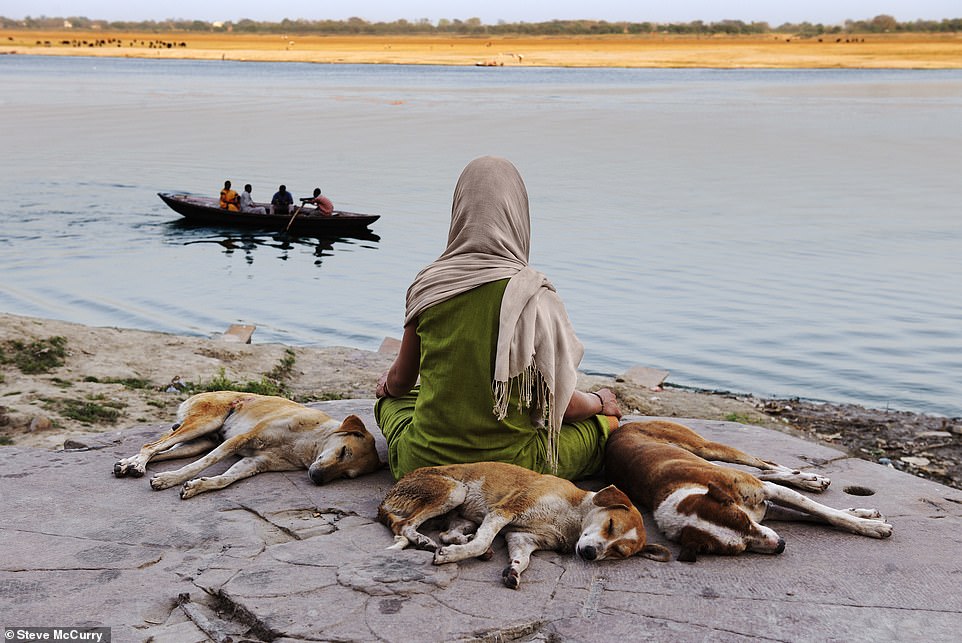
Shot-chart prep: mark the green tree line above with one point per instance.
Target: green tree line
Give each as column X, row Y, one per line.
column 474, row 26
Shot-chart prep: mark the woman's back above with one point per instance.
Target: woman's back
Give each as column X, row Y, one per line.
column 453, row 419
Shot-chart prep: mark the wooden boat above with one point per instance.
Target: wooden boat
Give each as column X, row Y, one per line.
column 207, row 210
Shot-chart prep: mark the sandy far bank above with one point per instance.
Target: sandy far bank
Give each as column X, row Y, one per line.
column 876, row 51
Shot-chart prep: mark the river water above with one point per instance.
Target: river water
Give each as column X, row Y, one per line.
column 782, row 233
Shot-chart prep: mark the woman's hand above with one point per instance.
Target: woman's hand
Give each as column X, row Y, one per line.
column 381, row 389
column 583, row 405
column 404, row 371
column 609, row 403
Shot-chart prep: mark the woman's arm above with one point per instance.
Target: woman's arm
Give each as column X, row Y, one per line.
column 583, row 405
column 403, row 374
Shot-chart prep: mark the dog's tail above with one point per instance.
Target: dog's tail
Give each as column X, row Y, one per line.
column 656, row 552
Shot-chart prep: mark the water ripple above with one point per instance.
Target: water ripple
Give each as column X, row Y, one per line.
column 709, row 224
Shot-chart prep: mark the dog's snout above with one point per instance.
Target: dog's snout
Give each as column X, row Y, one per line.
column 317, row 476
column 588, row 552
column 781, row 546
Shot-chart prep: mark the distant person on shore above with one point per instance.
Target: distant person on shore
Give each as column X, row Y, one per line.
column 282, row 201
column 491, row 342
column 247, row 202
column 321, row 202
column 228, row 198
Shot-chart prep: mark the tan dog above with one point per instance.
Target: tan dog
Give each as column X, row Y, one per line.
column 706, row 508
column 270, row 433
column 536, row 511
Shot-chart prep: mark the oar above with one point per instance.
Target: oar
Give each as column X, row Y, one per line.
column 296, row 212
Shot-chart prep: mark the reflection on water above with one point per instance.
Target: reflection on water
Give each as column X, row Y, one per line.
column 248, row 241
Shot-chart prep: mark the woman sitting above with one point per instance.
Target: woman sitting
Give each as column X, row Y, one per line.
column 496, row 354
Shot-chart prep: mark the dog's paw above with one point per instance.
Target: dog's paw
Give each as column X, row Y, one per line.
column 511, row 577
column 876, row 529
column 424, row 543
column 450, row 554
column 870, row 523
column 455, row 538
column 871, row 514
column 804, row 480
column 163, row 481
column 191, row 488
column 124, row 468
column 812, row 481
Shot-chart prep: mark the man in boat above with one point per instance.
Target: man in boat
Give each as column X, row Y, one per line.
column 247, row 202
column 321, row 202
column 228, row 198
column 282, row 201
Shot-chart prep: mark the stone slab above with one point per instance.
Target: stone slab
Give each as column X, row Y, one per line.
column 276, row 557
column 650, row 378
column 241, row 333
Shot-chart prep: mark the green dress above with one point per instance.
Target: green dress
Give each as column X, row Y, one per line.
column 449, row 419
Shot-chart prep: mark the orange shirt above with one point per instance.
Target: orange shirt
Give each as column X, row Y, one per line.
column 228, row 199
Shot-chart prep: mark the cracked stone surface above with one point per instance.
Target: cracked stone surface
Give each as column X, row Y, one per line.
column 277, row 558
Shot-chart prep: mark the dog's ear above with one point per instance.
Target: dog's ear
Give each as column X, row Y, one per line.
column 611, row 496
column 688, row 554
column 719, row 494
column 691, row 541
column 352, row 424
column 655, row 552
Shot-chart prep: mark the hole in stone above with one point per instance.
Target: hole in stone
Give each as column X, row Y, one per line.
column 855, row 490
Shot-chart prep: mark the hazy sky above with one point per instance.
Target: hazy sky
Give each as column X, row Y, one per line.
column 775, row 12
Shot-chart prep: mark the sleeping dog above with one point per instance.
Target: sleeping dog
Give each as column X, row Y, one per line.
column 537, row 511
column 270, row 433
column 663, row 466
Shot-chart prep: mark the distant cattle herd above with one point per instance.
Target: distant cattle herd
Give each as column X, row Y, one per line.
column 164, row 44
column 112, row 42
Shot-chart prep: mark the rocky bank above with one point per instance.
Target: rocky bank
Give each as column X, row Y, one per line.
column 61, row 382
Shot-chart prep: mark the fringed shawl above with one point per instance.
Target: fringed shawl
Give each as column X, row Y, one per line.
column 489, row 239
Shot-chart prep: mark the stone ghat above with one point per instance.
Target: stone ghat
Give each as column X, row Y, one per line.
column 276, row 558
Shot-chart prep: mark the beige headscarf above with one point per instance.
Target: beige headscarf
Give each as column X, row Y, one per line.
column 489, row 239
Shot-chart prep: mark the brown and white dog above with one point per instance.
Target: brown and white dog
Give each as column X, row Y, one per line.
column 537, row 511
column 711, row 509
column 270, row 433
